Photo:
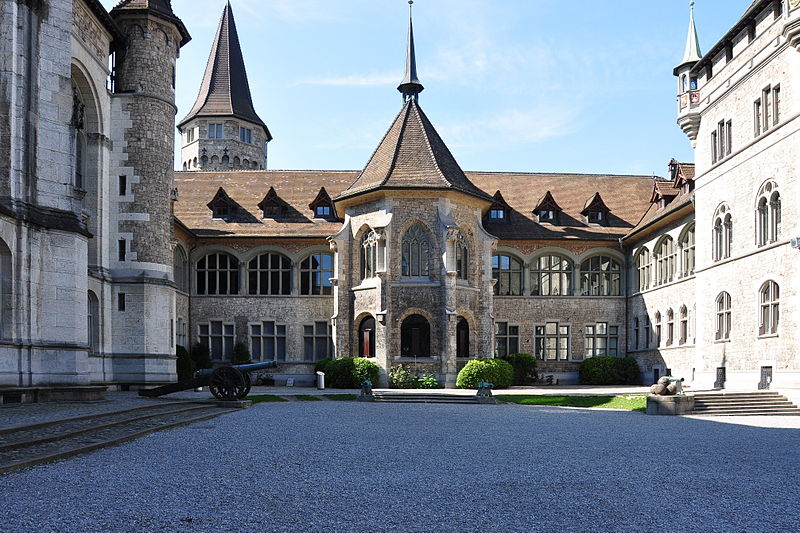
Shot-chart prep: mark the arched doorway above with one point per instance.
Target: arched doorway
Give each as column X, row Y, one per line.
column 415, row 337
column 462, row 338
column 366, row 337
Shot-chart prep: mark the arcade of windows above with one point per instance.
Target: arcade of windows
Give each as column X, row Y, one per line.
column 553, row 275
column 670, row 262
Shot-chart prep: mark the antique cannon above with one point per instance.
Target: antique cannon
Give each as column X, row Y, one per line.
column 667, row 386
column 230, row 382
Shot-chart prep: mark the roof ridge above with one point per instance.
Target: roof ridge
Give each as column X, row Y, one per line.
column 427, row 136
column 396, row 151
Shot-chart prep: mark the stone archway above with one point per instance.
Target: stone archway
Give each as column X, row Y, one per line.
column 366, row 337
column 415, row 337
column 462, row 338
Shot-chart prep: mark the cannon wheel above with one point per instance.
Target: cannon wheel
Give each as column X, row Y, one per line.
column 228, row 383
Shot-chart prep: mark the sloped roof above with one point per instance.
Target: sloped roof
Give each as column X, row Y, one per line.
column 412, row 155
column 225, row 90
column 160, row 8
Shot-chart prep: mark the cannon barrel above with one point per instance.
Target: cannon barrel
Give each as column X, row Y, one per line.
column 246, row 368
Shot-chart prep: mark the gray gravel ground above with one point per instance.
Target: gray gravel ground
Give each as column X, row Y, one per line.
column 335, row 467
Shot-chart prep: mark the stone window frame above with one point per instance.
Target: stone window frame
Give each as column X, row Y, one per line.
column 369, row 254
column 686, row 245
column 271, row 279
column 416, row 252
column 561, row 334
column 309, row 274
column 462, row 257
column 643, row 264
column 505, row 275
column 93, row 322
column 218, row 130
column 769, row 308
column 608, row 282
column 503, row 334
column 768, row 214
column 657, row 329
column 722, row 233
column 312, row 337
column 180, row 268
column 181, row 333
column 601, row 339
column 636, row 333
column 683, row 328
column 665, row 259
column 646, row 328
column 670, row 327
column 230, row 274
column 260, row 338
column 245, row 135
column 559, row 267
column 226, row 334
column 723, row 323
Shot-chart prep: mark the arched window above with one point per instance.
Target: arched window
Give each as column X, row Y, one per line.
column 600, row 276
column 218, row 274
column 316, row 272
column 646, row 332
column 665, row 261
column 93, row 322
column 462, row 257
column 636, row 334
column 768, row 214
column 658, row 329
column 507, row 270
column 727, row 229
column 551, row 275
column 269, row 273
column 6, row 289
column 670, row 327
column 462, row 338
column 180, row 269
column 369, row 254
column 770, row 297
column 723, row 233
column 643, row 267
column 415, row 337
column 684, row 327
column 415, row 252
column 366, row 337
column 723, row 327
column 687, row 251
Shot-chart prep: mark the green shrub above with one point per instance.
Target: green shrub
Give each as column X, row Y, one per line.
column 496, row 371
column 428, row 381
column 184, row 366
column 322, row 364
column 201, row 356
column 401, row 377
column 241, row 354
column 524, row 367
column 609, row 370
column 350, row 372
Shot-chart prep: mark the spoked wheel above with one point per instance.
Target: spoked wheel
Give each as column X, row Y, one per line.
column 228, row 383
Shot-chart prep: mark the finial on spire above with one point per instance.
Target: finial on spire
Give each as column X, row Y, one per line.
column 410, row 87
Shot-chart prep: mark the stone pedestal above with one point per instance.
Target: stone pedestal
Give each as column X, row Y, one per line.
column 670, row 405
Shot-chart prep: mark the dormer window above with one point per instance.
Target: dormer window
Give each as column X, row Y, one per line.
column 322, row 211
column 215, row 131
column 595, row 210
column 246, row 135
column 547, row 209
column 499, row 210
column 221, row 211
column 272, row 205
column 596, row 217
column 497, row 214
column 322, row 206
column 222, row 206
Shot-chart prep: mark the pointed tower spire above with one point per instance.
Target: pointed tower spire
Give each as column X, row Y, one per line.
column 410, row 87
column 225, row 90
column 692, row 52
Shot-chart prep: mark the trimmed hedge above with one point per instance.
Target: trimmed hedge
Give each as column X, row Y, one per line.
column 524, row 367
column 496, row 371
column 610, row 370
column 349, row 372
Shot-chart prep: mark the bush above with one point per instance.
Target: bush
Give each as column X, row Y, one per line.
column 401, row 377
column 428, row 381
column 609, row 370
column 241, row 354
column 496, row 371
column 350, row 372
column 524, row 367
column 184, row 365
column 322, row 364
column 201, row 356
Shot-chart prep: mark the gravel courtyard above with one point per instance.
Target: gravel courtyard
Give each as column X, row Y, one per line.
column 342, row 466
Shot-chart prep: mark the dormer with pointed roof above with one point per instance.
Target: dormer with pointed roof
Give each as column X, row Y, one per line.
column 595, row 210
column 222, row 206
column 272, row 205
column 547, row 209
column 222, row 131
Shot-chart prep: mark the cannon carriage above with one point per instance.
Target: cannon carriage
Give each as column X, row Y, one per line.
column 229, row 382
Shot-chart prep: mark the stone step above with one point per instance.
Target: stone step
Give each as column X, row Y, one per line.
column 423, row 398
column 743, row 412
column 743, row 402
column 699, row 395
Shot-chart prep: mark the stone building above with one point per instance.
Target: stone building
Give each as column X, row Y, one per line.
column 410, row 260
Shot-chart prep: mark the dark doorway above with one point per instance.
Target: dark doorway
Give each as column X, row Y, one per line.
column 766, row 378
column 720, row 382
column 415, row 337
column 462, row 338
column 366, row 338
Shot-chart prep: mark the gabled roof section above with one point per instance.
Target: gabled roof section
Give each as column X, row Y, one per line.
column 663, row 190
column 224, row 90
column 548, row 203
column 681, row 173
column 160, row 8
column 271, row 199
column 412, row 155
column 498, row 202
column 221, row 199
column 323, row 198
column 595, row 204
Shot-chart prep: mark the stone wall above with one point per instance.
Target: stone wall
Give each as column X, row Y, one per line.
column 228, row 153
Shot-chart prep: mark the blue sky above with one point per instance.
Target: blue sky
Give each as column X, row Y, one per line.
column 511, row 85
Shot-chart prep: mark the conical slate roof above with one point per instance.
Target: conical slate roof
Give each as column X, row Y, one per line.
column 412, row 156
column 691, row 53
column 161, row 8
column 225, row 90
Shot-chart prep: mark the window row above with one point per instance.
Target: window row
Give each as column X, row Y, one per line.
column 767, row 222
column 663, row 331
column 552, row 341
column 266, row 274
column 669, row 262
column 768, row 312
column 267, row 340
column 554, row 275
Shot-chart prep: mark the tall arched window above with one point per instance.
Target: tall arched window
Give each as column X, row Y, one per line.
column 687, row 251
column 600, row 276
column 658, row 329
column 551, row 275
column 768, row 214
column 462, row 257
column 180, row 269
column 723, row 233
column 369, row 254
column 727, row 229
column 643, row 268
column 684, row 327
column 6, row 289
column 723, row 326
column 507, row 270
column 670, row 327
column 665, row 261
column 316, row 272
column 415, row 252
column 770, row 298
column 218, row 274
column 415, row 337
column 636, row 334
column 462, row 338
column 93, row 322
column 270, row 273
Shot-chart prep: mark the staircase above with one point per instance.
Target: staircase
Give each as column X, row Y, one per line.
column 743, row 404
column 423, row 397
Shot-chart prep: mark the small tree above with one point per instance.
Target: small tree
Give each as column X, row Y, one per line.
column 184, row 366
column 201, row 356
column 241, row 353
